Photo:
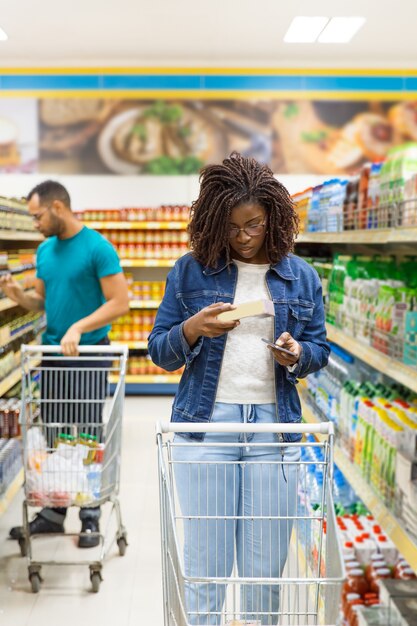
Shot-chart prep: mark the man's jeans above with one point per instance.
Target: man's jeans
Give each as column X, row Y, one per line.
column 244, row 482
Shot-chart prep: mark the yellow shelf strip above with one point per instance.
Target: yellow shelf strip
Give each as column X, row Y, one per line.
column 11, row 492
column 144, row 304
column 156, row 378
column 403, row 542
column 137, row 225
column 147, row 262
column 138, row 345
column 398, row 371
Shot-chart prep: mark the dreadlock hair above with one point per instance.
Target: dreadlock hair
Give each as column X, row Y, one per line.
column 236, row 181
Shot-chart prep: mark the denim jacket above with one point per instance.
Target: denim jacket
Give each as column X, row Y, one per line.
column 295, row 289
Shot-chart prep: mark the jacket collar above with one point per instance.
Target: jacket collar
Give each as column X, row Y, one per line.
column 282, row 268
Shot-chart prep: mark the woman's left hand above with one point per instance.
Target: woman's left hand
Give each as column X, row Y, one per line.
column 289, row 343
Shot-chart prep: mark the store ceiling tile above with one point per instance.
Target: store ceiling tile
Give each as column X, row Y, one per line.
column 235, row 33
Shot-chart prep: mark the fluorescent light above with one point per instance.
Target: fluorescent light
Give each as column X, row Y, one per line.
column 341, row 29
column 305, row 29
column 3, row 36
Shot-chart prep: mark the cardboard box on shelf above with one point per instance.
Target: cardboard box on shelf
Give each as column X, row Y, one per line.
column 248, row 309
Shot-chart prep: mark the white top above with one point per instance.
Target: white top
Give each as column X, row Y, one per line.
column 247, row 372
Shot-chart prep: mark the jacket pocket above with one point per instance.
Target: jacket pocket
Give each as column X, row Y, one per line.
column 194, row 302
column 300, row 314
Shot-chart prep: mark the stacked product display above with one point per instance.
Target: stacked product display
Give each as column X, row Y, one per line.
column 382, row 195
column 148, row 241
column 375, row 300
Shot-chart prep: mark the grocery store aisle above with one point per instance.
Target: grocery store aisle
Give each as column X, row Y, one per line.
column 131, row 592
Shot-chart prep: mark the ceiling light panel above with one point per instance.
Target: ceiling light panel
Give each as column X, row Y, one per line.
column 3, row 36
column 341, row 29
column 305, row 29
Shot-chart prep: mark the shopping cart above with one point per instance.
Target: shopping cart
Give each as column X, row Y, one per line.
column 301, row 533
column 71, row 433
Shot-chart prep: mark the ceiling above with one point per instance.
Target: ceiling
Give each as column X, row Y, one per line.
column 234, row 33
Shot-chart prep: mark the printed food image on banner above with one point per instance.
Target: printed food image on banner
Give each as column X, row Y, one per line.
column 18, row 135
column 149, row 137
column 332, row 137
column 94, row 136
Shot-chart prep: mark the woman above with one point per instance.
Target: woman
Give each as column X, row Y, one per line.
column 242, row 231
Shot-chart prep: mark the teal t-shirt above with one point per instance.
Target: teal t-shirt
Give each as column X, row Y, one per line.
column 71, row 270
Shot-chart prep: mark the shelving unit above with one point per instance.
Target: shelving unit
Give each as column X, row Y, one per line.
column 10, row 381
column 149, row 384
column 362, row 237
column 400, row 372
column 402, row 540
column 137, row 225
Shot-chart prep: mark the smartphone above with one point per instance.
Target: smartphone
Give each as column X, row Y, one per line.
column 274, row 345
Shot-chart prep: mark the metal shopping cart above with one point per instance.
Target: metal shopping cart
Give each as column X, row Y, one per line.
column 288, row 519
column 71, row 420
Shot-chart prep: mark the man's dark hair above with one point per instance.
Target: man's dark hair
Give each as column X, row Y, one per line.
column 236, row 181
column 50, row 190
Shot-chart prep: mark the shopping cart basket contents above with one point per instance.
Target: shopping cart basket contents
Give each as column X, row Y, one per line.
column 248, row 538
column 71, row 434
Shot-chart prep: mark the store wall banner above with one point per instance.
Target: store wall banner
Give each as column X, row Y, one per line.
column 137, row 121
column 133, row 137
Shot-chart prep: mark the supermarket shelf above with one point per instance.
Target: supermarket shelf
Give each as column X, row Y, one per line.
column 157, row 385
column 152, row 379
column 132, row 345
column 6, row 303
column 22, row 332
column 403, row 374
column 11, row 492
column 144, row 304
column 403, row 542
column 137, row 225
column 10, row 381
column 376, row 236
column 20, row 235
column 147, row 262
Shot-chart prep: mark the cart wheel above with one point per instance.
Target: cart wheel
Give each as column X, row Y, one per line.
column 35, row 581
column 95, row 581
column 122, row 543
column 23, row 546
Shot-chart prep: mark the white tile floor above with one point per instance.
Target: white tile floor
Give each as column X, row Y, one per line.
column 131, row 593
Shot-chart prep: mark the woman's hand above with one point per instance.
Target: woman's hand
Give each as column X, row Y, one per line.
column 289, row 343
column 205, row 323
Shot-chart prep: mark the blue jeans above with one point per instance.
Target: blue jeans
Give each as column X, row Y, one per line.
column 234, row 486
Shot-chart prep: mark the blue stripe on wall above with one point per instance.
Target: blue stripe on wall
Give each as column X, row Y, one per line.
column 206, row 82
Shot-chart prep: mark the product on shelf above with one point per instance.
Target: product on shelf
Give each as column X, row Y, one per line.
column 136, row 326
column 10, row 461
column 374, row 299
column 382, row 194
column 164, row 213
column 15, row 216
column 143, row 366
column 9, row 418
column 144, row 290
column 149, row 244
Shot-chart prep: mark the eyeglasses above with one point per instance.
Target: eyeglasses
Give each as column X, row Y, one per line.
column 38, row 216
column 251, row 231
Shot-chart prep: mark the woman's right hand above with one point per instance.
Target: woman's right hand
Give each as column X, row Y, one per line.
column 205, row 323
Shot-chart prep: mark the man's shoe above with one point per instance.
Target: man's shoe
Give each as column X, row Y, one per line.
column 90, row 539
column 38, row 526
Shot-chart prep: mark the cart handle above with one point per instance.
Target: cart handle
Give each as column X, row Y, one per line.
column 113, row 349
column 325, row 428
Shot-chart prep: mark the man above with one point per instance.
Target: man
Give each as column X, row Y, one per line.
column 81, row 287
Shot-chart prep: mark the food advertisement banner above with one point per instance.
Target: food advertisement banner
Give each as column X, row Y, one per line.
column 173, row 136
column 19, row 135
column 88, row 135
